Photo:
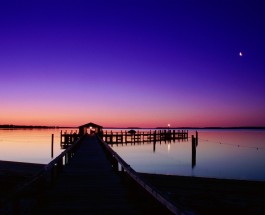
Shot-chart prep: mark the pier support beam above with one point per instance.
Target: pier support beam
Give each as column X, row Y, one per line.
column 193, row 159
column 52, row 146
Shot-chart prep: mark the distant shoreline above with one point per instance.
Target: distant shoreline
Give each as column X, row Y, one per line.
column 178, row 128
column 32, row 127
column 135, row 128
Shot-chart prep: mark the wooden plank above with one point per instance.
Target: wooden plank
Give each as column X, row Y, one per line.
column 174, row 208
column 88, row 185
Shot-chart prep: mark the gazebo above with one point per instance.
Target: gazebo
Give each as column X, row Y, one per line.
column 90, row 128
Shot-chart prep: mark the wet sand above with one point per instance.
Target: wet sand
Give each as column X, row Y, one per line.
column 14, row 173
column 212, row 196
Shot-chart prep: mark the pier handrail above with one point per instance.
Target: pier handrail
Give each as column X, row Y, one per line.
column 71, row 148
column 54, row 165
column 144, row 136
column 149, row 188
column 144, row 132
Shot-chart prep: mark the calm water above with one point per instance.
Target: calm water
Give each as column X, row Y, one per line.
column 234, row 154
column 237, row 154
column 28, row 145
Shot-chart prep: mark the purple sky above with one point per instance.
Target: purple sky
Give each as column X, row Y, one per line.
column 132, row 63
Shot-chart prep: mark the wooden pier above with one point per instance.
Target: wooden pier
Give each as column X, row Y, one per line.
column 67, row 139
column 85, row 179
column 148, row 136
column 121, row 137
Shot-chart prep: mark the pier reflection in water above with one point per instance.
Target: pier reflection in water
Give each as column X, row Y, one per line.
column 152, row 137
column 223, row 153
column 219, row 153
column 151, row 154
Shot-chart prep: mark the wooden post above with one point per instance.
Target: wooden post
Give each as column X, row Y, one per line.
column 193, row 142
column 115, row 164
column 52, row 146
column 196, row 138
column 60, row 165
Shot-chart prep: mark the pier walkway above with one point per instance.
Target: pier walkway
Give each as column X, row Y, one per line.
column 88, row 185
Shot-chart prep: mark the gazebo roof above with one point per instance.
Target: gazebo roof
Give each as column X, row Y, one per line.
column 91, row 124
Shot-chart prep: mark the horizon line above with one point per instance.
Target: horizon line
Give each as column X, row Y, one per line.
column 136, row 127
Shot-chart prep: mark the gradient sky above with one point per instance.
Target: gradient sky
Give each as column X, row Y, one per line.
column 132, row 63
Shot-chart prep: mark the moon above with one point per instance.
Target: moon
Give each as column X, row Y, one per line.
column 241, row 54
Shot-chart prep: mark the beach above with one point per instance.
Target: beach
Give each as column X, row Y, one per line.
column 212, row 196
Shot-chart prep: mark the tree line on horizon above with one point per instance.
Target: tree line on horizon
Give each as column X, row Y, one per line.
column 215, row 127
column 26, row 126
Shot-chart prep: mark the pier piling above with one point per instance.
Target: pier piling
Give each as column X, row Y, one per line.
column 142, row 137
column 196, row 138
column 193, row 143
column 52, row 146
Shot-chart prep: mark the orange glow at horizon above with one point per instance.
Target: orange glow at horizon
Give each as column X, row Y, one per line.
column 51, row 113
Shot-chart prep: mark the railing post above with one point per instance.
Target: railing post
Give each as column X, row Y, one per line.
column 60, row 165
column 52, row 146
column 196, row 138
column 193, row 159
column 66, row 158
column 53, row 175
column 61, row 136
column 115, row 163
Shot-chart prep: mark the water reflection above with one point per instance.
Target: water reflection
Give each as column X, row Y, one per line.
column 29, row 145
column 238, row 154
column 218, row 154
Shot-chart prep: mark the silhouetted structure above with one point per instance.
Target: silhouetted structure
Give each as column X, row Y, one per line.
column 194, row 142
column 137, row 137
column 92, row 184
column 90, row 128
column 68, row 138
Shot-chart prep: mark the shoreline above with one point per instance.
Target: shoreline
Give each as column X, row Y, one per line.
column 13, row 173
column 211, row 195
column 197, row 194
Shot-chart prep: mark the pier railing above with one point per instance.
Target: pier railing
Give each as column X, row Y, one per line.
column 17, row 200
column 67, row 139
column 145, row 136
column 119, row 164
column 132, row 136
